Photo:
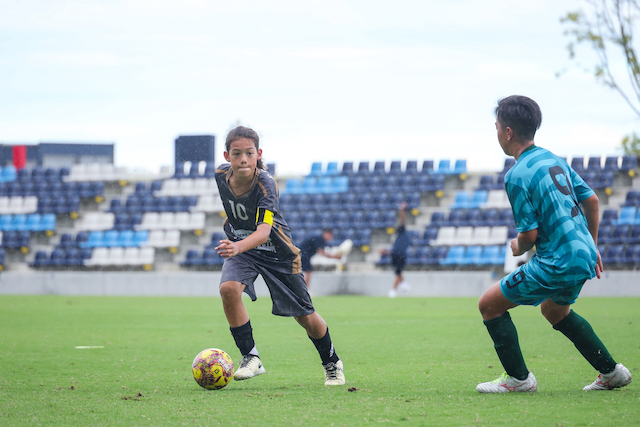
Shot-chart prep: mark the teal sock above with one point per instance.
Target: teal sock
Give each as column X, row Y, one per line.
column 505, row 340
column 581, row 334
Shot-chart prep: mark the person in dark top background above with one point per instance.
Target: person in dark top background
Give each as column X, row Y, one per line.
column 398, row 253
column 311, row 246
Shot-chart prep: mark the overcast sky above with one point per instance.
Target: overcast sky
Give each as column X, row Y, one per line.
column 319, row 80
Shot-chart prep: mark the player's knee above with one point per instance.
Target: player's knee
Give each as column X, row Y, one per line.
column 230, row 290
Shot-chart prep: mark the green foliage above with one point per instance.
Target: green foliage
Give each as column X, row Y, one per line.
column 608, row 28
column 631, row 145
column 408, row 361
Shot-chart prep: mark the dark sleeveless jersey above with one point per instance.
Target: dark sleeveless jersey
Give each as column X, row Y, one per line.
column 259, row 205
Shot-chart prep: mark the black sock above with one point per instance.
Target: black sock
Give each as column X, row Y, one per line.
column 243, row 335
column 581, row 334
column 325, row 349
column 505, row 340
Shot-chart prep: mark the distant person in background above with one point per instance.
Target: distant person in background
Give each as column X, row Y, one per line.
column 398, row 253
column 312, row 245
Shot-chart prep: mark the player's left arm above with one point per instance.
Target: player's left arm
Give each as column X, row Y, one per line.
column 591, row 209
column 524, row 242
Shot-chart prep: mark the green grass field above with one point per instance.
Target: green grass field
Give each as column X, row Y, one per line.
column 408, row 361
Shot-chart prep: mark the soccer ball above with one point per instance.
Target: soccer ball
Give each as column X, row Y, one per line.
column 212, row 369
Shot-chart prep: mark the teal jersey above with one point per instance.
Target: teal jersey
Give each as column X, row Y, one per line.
column 545, row 193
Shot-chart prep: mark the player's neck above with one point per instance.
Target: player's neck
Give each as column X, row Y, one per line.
column 518, row 149
column 240, row 185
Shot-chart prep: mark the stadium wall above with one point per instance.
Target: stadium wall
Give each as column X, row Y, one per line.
column 199, row 284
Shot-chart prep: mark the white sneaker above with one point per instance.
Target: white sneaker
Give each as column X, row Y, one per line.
column 505, row 384
column 404, row 286
column 617, row 378
column 392, row 293
column 334, row 373
column 250, row 366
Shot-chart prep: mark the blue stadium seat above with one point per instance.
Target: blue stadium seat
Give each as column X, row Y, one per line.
column 412, row 256
column 455, row 256
column 430, row 234
column 67, row 241
column 34, row 222
column 435, row 256
column 611, row 164
column 604, row 234
column 9, row 173
column 627, row 215
column 96, row 239
column 577, row 164
column 48, row 222
column 363, row 168
column 632, row 198
column 631, row 254
column 72, row 257
column 462, row 200
column 613, row 254
column 362, row 236
column 81, row 239
column 411, row 168
column 332, row 168
column 609, row 216
column 479, row 199
column 473, row 255
column 619, row 234
column 57, row 258
column 192, row 259
column 629, row 163
column 316, row 169
column 460, row 167
column 444, row 167
column 395, row 168
column 634, row 235
column 594, row 164
column 126, row 239
column 19, row 222
column 486, row 183
column 209, row 172
column 603, row 180
column 110, row 238
column 438, row 219
column 41, row 259
column 427, row 167
column 379, row 167
column 347, row 168
column 140, row 237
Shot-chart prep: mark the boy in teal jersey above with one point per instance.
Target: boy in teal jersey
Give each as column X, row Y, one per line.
column 548, row 199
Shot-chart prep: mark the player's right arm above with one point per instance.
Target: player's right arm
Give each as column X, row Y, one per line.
column 591, row 209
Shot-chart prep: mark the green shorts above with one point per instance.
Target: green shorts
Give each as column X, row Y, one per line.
column 529, row 284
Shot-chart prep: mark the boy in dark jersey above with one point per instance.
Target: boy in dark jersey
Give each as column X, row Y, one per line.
column 555, row 210
column 259, row 242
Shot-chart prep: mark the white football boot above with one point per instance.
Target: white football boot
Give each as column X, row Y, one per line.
column 505, row 384
column 617, row 378
column 334, row 373
column 250, row 366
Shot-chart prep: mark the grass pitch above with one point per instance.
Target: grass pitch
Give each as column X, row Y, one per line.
column 408, row 361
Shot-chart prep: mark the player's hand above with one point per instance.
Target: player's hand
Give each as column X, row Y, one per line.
column 599, row 266
column 515, row 249
column 227, row 248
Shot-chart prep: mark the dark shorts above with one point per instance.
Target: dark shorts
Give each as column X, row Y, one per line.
column 398, row 261
column 288, row 291
column 306, row 263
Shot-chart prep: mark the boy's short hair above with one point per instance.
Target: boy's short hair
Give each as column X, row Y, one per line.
column 521, row 114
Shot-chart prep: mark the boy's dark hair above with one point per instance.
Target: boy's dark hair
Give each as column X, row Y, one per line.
column 244, row 132
column 521, row 114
